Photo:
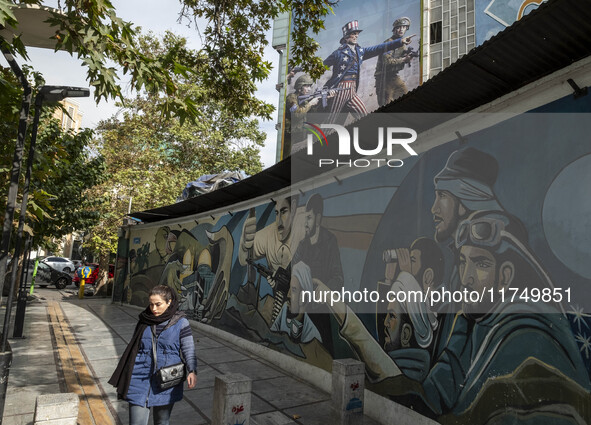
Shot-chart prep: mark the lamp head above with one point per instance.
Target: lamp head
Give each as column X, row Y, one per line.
column 57, row 93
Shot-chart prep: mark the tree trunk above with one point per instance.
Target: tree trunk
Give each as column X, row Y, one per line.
column 103, row 273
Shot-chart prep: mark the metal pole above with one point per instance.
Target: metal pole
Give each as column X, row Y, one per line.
column 81, row 290
column 28, row 244
column 5, row 351
column 16, row 168
column 21, row 222
column 22, row 296
column 21, row 304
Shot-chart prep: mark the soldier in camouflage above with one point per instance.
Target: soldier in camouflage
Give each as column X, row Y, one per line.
column 296, row 112
column 389, row 85
column 346, row 62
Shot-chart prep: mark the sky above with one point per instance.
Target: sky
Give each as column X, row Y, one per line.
column 59, row 68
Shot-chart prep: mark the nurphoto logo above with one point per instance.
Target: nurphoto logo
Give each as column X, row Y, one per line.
column 388, row 137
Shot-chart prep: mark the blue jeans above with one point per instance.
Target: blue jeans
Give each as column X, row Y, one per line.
column 139, row 415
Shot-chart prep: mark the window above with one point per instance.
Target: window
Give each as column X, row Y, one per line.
column 435, row 32
column 68, row 119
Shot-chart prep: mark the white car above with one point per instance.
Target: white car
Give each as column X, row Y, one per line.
column 60, row 263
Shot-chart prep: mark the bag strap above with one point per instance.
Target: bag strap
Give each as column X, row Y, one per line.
column 154, row 349
column 181, row 355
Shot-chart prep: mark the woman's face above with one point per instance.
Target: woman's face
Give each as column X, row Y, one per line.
column 158, row 305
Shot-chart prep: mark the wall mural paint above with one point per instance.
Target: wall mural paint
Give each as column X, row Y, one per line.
column 498, row 212
column 372, row 72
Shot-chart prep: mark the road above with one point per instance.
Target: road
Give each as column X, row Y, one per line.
column 50, row 292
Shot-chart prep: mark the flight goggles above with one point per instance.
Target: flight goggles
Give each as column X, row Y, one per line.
column 489, row 232
column 485, row 231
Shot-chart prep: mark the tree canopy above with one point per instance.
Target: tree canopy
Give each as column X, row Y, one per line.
column 231, row 60
column 63, row 170
column 212, row 88
column 150, row 159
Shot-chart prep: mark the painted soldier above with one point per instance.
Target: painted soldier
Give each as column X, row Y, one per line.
column 346, row 65
column 389, row 85
column 296, row 112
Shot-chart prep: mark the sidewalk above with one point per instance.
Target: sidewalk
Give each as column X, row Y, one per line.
column 74, row 345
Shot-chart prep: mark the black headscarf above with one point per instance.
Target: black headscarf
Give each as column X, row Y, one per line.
column 122, row 375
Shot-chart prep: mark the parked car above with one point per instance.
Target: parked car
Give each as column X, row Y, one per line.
column 59, row 263
column 93, row 276
column 47, row 275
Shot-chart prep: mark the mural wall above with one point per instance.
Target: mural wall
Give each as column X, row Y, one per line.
column 508, row 211
column 367, row 68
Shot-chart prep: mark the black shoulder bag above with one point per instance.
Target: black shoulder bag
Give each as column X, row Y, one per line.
column 168, row 376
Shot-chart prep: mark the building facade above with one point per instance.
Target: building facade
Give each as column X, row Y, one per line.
column 443, row 31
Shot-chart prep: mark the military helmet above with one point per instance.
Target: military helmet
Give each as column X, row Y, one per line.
column 401, row 22
column 304, row 80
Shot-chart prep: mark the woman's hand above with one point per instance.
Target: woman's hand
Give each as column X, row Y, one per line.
column 192, row 380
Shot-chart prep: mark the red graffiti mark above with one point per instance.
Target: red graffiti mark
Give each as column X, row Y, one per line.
column 355, row 386
column 237, row 409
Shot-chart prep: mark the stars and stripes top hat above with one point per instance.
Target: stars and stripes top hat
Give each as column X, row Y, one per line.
column 348, row 28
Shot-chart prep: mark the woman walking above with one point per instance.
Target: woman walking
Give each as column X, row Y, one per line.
column 135, row 375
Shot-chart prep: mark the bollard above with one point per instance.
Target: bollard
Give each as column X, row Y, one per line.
column 348, row 384
column 19, row 318
column 231, row 400
column 53, row 409
column 85, row 273
column 81, row 290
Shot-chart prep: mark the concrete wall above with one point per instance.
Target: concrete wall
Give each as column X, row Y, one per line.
column 477, row 367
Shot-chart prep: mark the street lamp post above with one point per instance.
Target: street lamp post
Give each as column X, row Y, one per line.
column 35, row 32
column 6, row 352
column 50, row 94
column 16, row 163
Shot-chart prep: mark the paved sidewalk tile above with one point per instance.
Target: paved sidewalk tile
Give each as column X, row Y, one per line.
column 272, row 418
column 252, row 368
column 285, row 392
column 100, row 331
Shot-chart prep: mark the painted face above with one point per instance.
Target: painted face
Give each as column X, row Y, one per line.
column 306, row 89
column 400, row 31
column 161, row 241
column 158, row 305
column 352, row 38
column 170, row 243
column 310, row 223
column 446, row 214
column 415, row 263
column 477, row 273
column 283, row 219
column 392, row 324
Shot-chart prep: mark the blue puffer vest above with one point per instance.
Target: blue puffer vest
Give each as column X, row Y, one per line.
column 143, row 390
